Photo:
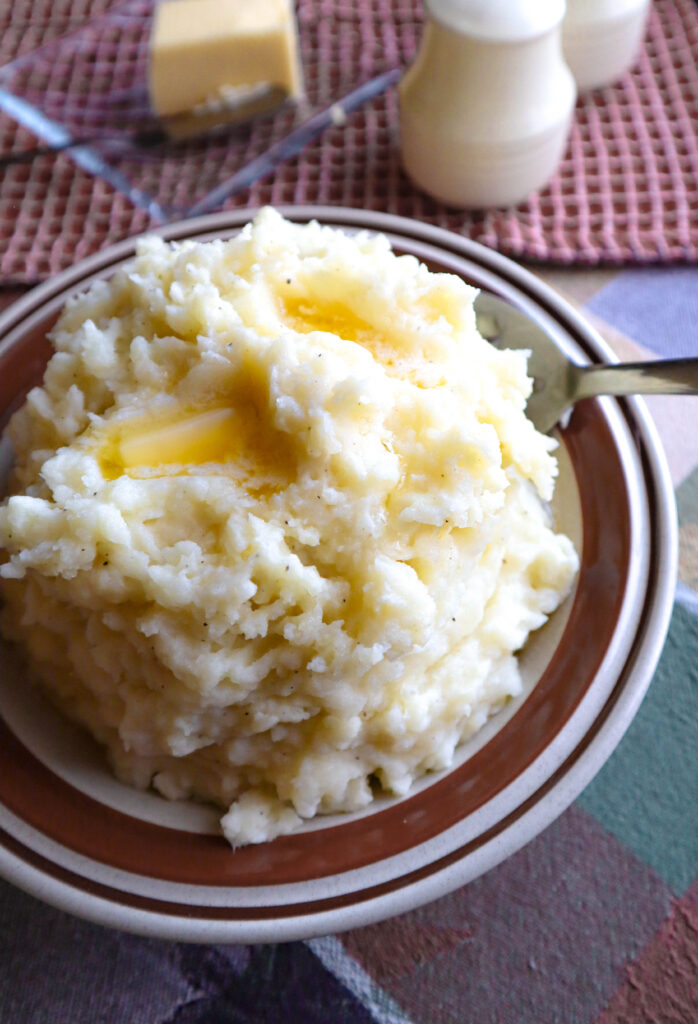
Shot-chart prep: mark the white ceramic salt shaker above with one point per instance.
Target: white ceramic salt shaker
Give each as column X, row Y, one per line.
column 485, row 108
column 602, row 38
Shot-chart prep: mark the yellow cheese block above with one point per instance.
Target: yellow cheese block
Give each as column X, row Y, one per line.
column 205, row 51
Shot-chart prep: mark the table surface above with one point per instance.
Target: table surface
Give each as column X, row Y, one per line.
column 596, row 920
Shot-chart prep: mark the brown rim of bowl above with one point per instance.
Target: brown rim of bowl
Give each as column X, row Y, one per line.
column 475, row 782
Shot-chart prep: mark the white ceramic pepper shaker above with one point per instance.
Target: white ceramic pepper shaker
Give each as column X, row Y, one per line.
column 486, row 106
column 602, row 38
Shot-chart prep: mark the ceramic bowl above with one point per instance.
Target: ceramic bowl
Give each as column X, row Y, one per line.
column 75, row 837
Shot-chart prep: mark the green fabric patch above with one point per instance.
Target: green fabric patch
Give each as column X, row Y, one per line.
column 647, row 792
column 687, row 499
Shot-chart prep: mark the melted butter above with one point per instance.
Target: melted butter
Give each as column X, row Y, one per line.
column 304, row 316
column 236, row 440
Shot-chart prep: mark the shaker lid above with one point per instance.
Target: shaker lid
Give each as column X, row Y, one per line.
column 498, row 20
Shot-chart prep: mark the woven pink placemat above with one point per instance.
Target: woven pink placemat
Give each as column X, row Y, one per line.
column 626, row 191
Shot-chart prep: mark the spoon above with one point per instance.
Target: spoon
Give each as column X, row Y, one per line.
column 558, row 382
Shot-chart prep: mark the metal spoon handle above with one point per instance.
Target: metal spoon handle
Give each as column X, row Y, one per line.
column 660, row 377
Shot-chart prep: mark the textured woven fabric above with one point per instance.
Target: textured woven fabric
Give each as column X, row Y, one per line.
column 626, row 191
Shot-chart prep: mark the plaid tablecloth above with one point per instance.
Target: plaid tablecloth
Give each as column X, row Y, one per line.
column 594, row 922
column 624, row 191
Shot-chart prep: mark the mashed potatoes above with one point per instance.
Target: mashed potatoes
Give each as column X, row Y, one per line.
column 278, row 522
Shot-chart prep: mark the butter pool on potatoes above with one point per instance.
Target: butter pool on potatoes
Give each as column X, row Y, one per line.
column 277, row 524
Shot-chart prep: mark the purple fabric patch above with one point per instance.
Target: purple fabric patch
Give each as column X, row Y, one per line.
column 58, row 969
column 263, row 985
column 544, row 937
column 657, row 308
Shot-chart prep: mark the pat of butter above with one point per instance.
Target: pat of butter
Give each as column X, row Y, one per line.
column 212, row 435
column 201, row 50
column 204, row 437
column 238, row 439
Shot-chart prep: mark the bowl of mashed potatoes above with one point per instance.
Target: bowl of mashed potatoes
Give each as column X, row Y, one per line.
column 294, row 611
